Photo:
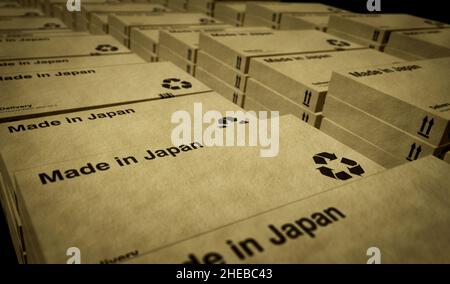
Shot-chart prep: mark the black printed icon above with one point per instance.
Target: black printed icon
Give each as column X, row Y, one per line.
column 426, row 126
column 31, row 14
column 227, row 120
column 51, row 26
column 166, row 95
column 414, row 152
column 207, row 21
column 305, row 117
column 175, row 84
column 338, row 43
column 324, row 158
column 106, row 48
column 307, row 98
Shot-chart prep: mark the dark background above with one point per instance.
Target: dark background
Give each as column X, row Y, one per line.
column 431, row 9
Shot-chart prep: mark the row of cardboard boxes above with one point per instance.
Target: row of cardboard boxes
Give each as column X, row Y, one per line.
column 107, row 108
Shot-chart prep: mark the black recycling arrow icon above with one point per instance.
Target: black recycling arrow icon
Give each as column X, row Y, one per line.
column 424, row 130
column 106, row 48
column 323, row 158
column 339, row 43
column 175, row 84
column 307, row 98
column 414, row 149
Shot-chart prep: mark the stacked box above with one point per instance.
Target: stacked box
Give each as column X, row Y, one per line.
column 272, row 14
column 423, row 44
column 181, row 46
column 56, row 46
column 120, row 26
column 227, row 57
column 298, row 83
column 14, row 24
column 20, row 12
column 368, row 212
column 304, row 22
column 80, row 89
column 111, row 8
column 375, row 29
column 299, row 166
column 178, row 5
column 402, row 108
column 232, row 13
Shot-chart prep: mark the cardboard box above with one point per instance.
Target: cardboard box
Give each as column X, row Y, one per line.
column 277, row 102
column 73, row 89
column 423, row 44
column 231, row 10
column 361, row 215
column 185, row 42
column 124, row 24
column 238, row 184
column 20, row 12
column 45, row 47
column 147, row 38
column 401, row 54
column 14, row 24
column 218, row 85
column 252, row 105
column 273, row 12
column 305, row 22
column 166, row 54
column 304, row 78
column 358, row 40
column 99, row 21
column 144, row 53
column 386, row 136
column 395, row 94
column 178, row 5
column 236, row 48
column 254, row 21
column 359, row 144
column 47, row 64
column 123, row 39
column 378, row 27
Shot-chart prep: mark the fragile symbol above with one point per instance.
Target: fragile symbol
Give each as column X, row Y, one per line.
column 425, row 122
column 412, row 150
column 337, row 42
column 307, row 98
column 175, row 84
column 352, row 166
column 106, row 48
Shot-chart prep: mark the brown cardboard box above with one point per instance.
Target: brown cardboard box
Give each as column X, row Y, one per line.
column 389, row 138
column 47, row 64
column 166, row 54
column 401, row 54
column 274, row 12
column 237, row 189
column 236, row 48
column 80, row 88
column 278, row 102
column 144, row 53
column 99, row 22
column 218, row 85
column 19, row 12
column 358, row 40
column 411, row 96
column 15, row 24
column 230, row 12
column 304, row 78
column 45, row 47
column 360, row 144
column 378, row 27
column 361, row 217
column 423, row 44
column 305, row 22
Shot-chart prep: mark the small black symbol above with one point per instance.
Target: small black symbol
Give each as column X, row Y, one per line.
column 175, row 84
column 305, row 117
column 207, row 20
column 424, row 130
column 51, row 26
column 166, row 95
column 238, row 62
column 235, row 98
column 353, row 167
column 226, row 120
column 237, row 82
column 412, row 150
column 339, row 43
column 307, row 98
column 106, row 48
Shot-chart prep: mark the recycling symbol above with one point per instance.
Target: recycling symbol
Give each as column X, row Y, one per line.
column 106, row 48
column 337, row 42
column 324, row 158
column 51, row 25
column 175, row 84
